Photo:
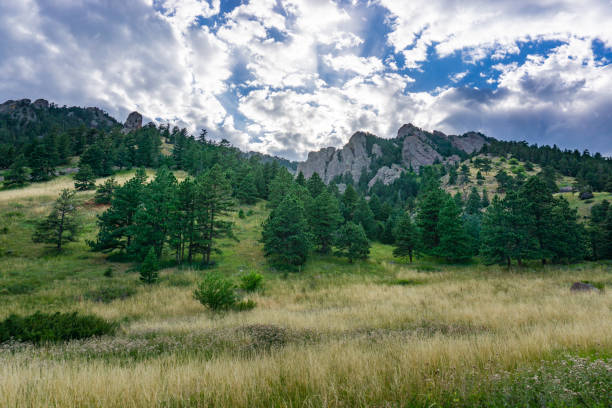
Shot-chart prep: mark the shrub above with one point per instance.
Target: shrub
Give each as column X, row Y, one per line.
column 52, row 327
column 244, row 305
column 149, row 267
column 251, row 282
column 109, row 293
column 108, row 272
column 513, row 161
column 241, row 214
column 216, row 292
column 250, row 212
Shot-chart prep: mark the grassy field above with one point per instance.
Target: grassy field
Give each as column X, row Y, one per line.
column 376, row 333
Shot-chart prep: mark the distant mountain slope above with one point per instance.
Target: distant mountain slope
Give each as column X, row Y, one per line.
column 385, row 159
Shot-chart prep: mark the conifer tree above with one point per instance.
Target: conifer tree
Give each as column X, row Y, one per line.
column 315, row 185
column 105, row 191
column 153, row 219
column 247, row 190
column 217, row 205
column 116, row 225
column 600, row 230
column 538, row 204
column 279, row 187
column 349, row 201
column 149, row 267
column 406, row 237
column 85, row 178
column 472, row 205
column 484, row 203
column 324, row 218
column 429, row 206
column 61, row 225
column 17, row 175
column 388, row 234
column 568, row 240
column 300, row 179
column 285, row 234
column 454, row 241
column 365, row 217
column 352, row 242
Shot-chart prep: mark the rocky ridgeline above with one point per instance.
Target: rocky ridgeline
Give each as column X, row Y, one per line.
column 412, row 146
column 133, row 122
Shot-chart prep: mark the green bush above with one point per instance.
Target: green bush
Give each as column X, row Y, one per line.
column 108, row 272
column 250, row 212
column 216, row 292
column 244, row 305
column 109, row 293
column 251, row 282
column 18, row 288
column 241, row 214
column 44, row 327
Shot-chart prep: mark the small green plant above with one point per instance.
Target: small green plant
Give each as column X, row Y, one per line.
column 108, row 273
column 244, row 305
column 216, row 292
column 241, row 214
column 513, row 161
column 250, row 212
column 52, row 327
column 251, row 282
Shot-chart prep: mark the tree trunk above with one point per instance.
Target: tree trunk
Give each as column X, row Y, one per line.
column 60, row 232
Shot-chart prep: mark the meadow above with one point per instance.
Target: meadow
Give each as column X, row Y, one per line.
column 380, row 332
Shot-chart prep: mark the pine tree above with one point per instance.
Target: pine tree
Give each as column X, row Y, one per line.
column 428, row 212
column 216, row 206
column 406, row 237
column 365, row 217
column 152, row 221
column 349, row 201
column 495, row 234
column 300, row 179
column 452, row 176
column 149, row 267
column 454, row 241
column 472, row 205
column 568, row 240
column 315, row 185
column 285, row 234
column 17, row 175
column 352, row 242
column 247, row 190
column 85, row 178
column 40, row 163
column 279, row 187
column 539, row 203
column 600, row 230
column 388, row 234
column 324, row 218
column 105, row 191
column 62, row 225
column 484, row 203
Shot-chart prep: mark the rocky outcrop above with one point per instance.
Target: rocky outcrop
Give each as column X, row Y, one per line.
column 133, row 122
column 41, row 104
column 387, row 175
column 414, row 148
column 353, row 158
column 469, row 142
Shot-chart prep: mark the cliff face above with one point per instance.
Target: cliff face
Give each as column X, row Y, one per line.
column 385, row 159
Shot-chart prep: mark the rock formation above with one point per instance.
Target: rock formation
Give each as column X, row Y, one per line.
column 133, row 122
column 412, row 147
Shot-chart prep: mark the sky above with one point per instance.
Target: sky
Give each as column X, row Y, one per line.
column 286, row 77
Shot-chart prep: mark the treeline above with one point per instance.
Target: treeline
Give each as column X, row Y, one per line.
column 592, row 170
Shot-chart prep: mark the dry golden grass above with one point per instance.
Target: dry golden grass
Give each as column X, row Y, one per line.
column 377, row 342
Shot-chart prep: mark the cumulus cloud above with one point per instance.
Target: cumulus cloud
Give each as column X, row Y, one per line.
column 289, row 76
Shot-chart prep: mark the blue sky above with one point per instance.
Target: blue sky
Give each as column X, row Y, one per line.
column 290, row 76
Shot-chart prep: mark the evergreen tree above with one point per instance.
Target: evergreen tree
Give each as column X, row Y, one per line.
column 324, row 218
column 376, row 207
column 61, row 225
column 452, row 176
column 153, row 217
column 247, row 190
column 315, row 185
column 217, row 205
column 116, row 225
column 539, row 203
column 349, row 201
column 406, row 237
column 279, row 187
column 365, row 217
column 388, row 234
column 472, row 205
column 300, row 180
column 17, row 175
column 568, row 241
column 600, row 230
column 352, row 242
column 40, row 163
column 105, row 191
column 85, row 178
column 454, row 241
column 149, row 267
column 429, row 206
column 495, row 234
column 484, row 203
column 285, row 234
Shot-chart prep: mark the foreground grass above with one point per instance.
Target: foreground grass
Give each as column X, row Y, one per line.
column 375, row 333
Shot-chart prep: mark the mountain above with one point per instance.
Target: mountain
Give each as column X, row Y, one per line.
column 385, row 159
